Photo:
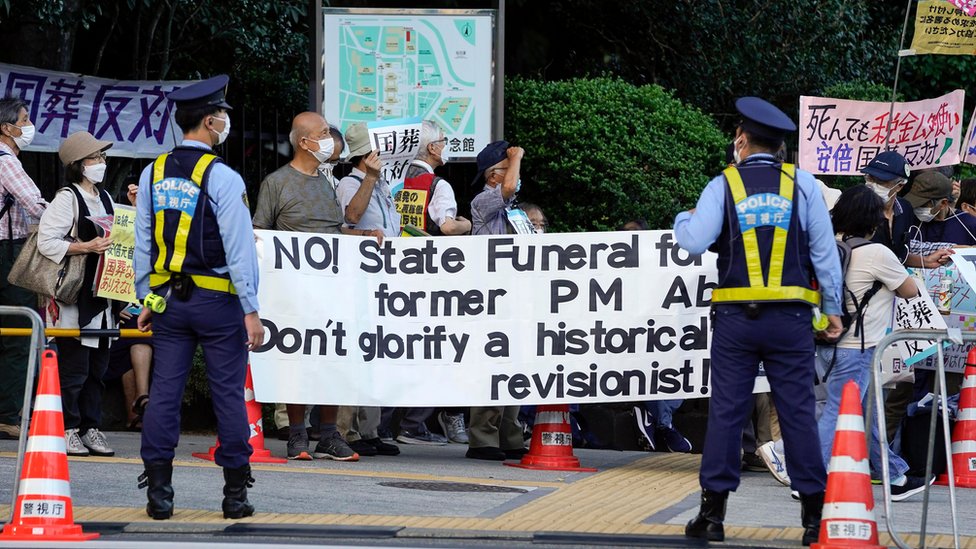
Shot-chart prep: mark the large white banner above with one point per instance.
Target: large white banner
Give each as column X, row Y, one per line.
column 134, row 115
column 473, row 320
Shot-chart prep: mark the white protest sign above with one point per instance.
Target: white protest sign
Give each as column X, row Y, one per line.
column 918, row 313
column 968, row 152
column 839, row 136
column 476, row 320
column 134, row 115
column 964, row 260
column 397, row 142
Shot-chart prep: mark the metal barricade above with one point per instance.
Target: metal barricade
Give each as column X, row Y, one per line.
column 940, row 336
column 36, row 349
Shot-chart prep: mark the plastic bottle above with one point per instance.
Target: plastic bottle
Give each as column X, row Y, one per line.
column 945, row 292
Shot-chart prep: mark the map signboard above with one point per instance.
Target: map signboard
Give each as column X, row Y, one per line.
column 436, row 65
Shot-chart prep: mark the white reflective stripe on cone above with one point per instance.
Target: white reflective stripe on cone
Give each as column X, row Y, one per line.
column 47, row 403
column 44, row 443
column 847, row 464
column 847, row 511
column 850, row 422
column 968, row 382
column 964, row 447
column 551, row 417
column 45, row 487
column 967, row 414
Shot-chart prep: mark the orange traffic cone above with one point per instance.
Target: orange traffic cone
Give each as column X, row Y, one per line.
column 254, row 421
column 43, row 509
column 848, row 511
column 552, row 442
column 964, row 433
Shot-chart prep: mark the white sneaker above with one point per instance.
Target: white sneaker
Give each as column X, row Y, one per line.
column 453, row 426
column 774, row 462
column 73, row 445
column 95, row 441
column 646, row 426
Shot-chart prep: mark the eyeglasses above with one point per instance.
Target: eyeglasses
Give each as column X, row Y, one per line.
column 96, row 156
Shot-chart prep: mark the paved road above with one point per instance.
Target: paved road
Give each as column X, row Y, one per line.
column 434, row 497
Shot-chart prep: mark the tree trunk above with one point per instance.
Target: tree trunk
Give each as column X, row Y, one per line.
column 150, row 35
column 101, row 47
column 164, row 63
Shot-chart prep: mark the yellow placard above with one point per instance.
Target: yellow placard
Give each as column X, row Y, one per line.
column 117, row 280
column 410, row 205
column 940, row 28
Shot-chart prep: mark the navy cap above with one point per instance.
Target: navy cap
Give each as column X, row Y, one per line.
column 206, row 93
column 492, row 154
column 763, row 119
column 887, row 166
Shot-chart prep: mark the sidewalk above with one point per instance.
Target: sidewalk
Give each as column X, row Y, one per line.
column 435, row 492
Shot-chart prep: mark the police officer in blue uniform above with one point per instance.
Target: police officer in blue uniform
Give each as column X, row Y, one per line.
column 195, row 252
column 769, row 224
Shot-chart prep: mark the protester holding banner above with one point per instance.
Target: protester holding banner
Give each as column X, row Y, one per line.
column 494, row 432
column 872, row 268
column 367, row 205
column 762, row 214
column 934, row 209
column 364, row 196
column 886, row 174
column 427, row 202
column 22, row 205
column 67, row 229
column 299, row 197
column 196, row 272
column 492, row 209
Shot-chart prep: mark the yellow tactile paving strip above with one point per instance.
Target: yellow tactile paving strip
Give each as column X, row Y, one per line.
column 614, row 501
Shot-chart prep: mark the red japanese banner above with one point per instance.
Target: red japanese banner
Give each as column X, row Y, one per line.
column 839, row 137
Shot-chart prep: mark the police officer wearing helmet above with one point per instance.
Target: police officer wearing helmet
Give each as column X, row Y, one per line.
column 770, row 227
column 195, row 251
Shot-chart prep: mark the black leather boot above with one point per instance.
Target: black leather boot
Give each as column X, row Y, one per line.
column 236, row 483
column 158, row 478
column 811, row 507
column 708, row 523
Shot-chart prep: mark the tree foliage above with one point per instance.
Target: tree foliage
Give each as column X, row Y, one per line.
column 600, row 152
column 711, row 52
column 262, row 44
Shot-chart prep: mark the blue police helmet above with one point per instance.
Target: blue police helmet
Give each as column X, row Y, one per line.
column 206, row 93
column 763, row 119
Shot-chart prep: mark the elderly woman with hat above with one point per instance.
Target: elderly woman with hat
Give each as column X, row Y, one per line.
column 66, row 229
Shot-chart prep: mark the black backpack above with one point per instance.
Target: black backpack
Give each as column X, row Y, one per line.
column 853, row 318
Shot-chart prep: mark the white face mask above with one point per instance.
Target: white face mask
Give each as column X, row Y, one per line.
column 924, row 214
column 445, row 155
column 735, row 152
column 95, row 173
column 327, row 167
column 222, row 134
column 326, row 148
column 880, row 190
column 26, row 136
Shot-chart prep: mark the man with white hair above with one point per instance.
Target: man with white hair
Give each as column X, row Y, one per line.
column 427, row 201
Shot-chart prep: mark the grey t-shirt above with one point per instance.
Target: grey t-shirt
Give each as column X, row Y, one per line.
column 292, row 201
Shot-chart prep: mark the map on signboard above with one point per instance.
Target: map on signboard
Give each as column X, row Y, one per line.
column 436, row 67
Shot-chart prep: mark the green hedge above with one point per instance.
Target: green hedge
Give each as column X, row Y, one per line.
column 600, row 152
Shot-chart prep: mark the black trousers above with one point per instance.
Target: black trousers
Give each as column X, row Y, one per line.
column 81, row 370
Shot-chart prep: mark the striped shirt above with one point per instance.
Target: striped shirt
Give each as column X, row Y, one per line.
column 28, row 205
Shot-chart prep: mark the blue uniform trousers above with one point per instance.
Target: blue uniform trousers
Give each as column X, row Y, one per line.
column 215, row 320
column 781, row 337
